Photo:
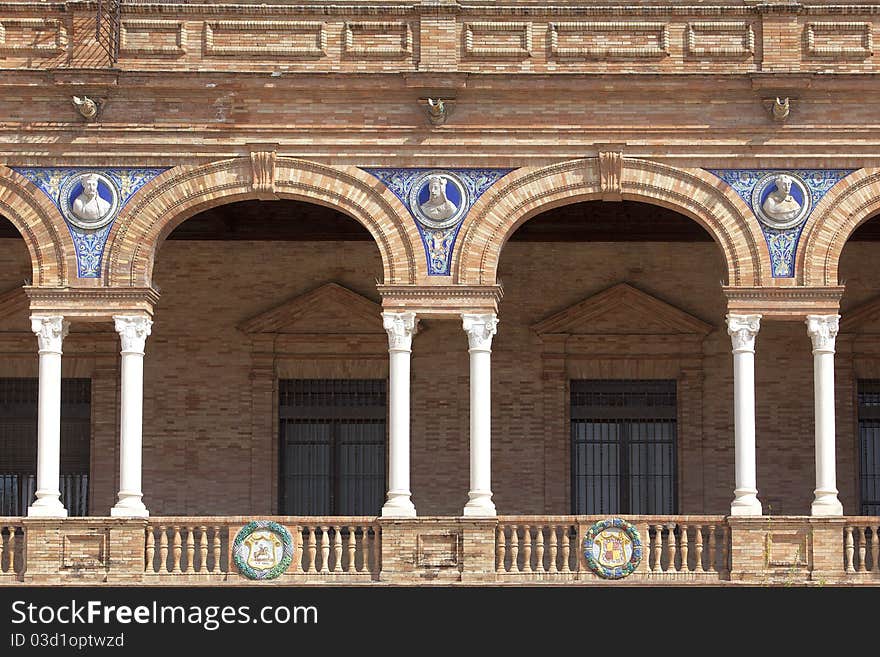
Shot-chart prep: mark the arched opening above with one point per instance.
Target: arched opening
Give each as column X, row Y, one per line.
column 266, row 342
column 18, row 396
column 612, row 347
column 857, row 372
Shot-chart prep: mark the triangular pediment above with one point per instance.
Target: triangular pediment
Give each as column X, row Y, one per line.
column 328, row 309
column 622, row 310
column 862, row 319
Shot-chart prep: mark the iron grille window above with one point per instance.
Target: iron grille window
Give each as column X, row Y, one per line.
column 869, row 446
column 623, row 453
column 18, row 445
column 332, row 446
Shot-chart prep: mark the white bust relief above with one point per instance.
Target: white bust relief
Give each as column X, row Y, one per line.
column 89, row 206
column 780, row 204
column 438, row 207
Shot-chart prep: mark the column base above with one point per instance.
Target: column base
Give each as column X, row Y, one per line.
column 47, row 505
column 480, row 505
column 129, row 506
column 746, row 503
column 826, row 504
column 399, row 505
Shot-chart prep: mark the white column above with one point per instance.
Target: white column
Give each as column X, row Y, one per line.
column 401, row 326
column 133, row 331
column 480, row 328
column 50, row 332
column 822, row 330
column 742, row 330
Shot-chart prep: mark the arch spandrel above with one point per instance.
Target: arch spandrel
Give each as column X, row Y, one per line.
column 847, row 205
column 38, row 221
column 529, row 192
column 178, row 194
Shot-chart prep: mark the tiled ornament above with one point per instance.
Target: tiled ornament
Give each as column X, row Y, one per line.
column 89, row 200
column 782, row 200
column 438, row 200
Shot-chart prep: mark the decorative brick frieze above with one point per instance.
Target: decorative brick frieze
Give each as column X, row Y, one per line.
column 265, row 39
column 139, row 38
column 848, row 40
column 498, row 39
column 704, row 39
column 609, row 40
column 45, row 37
column 377, row 39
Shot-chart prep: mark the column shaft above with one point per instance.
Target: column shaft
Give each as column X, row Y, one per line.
column 822, row 330
column 50, row 333
column 743, row 329
column 133, row 332
column 480, row 329
column 400, row 327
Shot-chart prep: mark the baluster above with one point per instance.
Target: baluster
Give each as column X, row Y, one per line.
column 2, row 549
column 190, row 548
column 848, row 532
column 351, row 549
column 215, row 567
column 500, row 549
column 527, row 549
column 363, row 550
column 203, row 549
column 163, row 549
column 337, row 550
column 725, row 549
column 150, row 551
column 566, row 549
column 658, row 548
column 10, row 549
column 863, row 544
column 712, row 554
column 671, row 549
column 684, row 548
column 377, row 561
column 325, row 550
column 875, row 550
column 539, row 550
column 698, row 561
column 553, row 549
column 313, row 550
column 177, row 550
column 514, row 549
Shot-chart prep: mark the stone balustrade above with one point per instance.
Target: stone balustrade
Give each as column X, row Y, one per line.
column 507, row 550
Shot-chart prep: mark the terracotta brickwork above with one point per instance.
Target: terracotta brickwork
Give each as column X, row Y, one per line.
column 582, row 101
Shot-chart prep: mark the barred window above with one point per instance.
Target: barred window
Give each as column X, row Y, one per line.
column 18, row 444
column 623, row 442
column 869, row 446
column 332, row 446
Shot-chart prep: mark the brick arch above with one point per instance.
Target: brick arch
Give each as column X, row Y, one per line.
column 848, row 204
column 178, row 194
column 529, row 192
column 41, row 226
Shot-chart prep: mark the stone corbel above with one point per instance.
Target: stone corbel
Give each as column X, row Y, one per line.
column 610, row 175
column 263, row 164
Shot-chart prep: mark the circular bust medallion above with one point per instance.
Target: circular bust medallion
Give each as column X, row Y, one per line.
column 262, row 550
column 612, row 548
column 438, row 199
column 781, row 200
column 89, row 200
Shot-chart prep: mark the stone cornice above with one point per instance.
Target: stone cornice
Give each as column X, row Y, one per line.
column 441, row 300
column 785, row 303
column 91, row 304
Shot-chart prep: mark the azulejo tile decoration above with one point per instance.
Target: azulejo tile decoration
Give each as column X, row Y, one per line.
column 89, row 200
column 262, row 549
column 438, row 200
column 782, row 200
column 612, row 548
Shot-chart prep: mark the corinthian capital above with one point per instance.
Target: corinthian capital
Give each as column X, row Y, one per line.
column 133, row 331
column 742, row 330
column 401, row 327
column 822, row 330
column 479, row 329
column 50, row 332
